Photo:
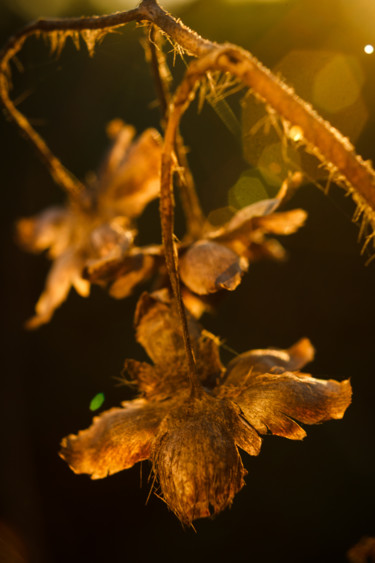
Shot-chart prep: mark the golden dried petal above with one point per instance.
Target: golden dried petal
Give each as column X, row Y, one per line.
column 207, row 267
column 48, row 229
column 134, row 179
column 122, row 136
column 248, row 227
column 116, row 440
column 196, row 460
column 255, row 362
column 246, row 437
column 110, row 240
column 143, row 266
column 65, row 272
column 265, row 249
column 158, row 329
column 242, row 220
column 270, row 402
column 209, row 366
column 284, row 223
column 148, row 380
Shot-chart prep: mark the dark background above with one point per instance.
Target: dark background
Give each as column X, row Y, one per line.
column 304, row 502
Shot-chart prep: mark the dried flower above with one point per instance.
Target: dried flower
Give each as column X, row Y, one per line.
column 192, row 439
column 216, row 262
column 99, row 228
column 219, row 261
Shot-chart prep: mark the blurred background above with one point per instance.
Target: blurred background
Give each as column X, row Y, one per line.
column 303, row 502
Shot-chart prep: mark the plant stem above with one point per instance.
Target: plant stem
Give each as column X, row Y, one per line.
column 190, row 203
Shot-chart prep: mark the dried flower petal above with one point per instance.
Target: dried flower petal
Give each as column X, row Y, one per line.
column 116, row 440
column 284, row 223
column 271, row 402
column 158, row 330
column 131, row 178
column 269, row 361
column 64, row 273
column 46, row 230
column 207, row 267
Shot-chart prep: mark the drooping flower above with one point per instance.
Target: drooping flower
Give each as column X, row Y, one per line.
column 100, row 226
column 192, row 438
column 211, row 264
column 223, row 256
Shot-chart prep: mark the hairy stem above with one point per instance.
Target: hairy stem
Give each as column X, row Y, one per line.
column 185, row 182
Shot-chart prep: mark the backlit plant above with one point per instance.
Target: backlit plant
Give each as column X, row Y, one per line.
column 192, row 414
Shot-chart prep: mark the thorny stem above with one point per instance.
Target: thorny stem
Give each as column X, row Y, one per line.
column 190, row 203
column 335, row 151
column 171, row 255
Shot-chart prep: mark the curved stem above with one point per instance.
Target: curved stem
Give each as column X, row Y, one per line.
column 332, row 148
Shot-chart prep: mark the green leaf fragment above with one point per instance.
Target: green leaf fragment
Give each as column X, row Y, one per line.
column 97, row 402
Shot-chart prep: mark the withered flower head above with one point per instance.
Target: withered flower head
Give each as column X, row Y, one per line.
column 214, row 263
column 220, row 260
column 99, row 228
column 192, row 438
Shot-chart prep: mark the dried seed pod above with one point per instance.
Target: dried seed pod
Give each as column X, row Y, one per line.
column 196, row 460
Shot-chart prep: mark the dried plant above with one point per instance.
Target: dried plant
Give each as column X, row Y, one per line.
column 192, row 414
column 191, row 427
column 97, row 226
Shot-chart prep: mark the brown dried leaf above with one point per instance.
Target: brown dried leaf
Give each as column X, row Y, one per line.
column 207, row 267
column 116, row 440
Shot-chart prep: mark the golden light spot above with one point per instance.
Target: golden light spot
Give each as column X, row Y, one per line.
column 338, row 84
column 275, row 161
column 309, row 72
column 296, row 133
column 368, row 49
column 274, row 168
column 247, row 190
